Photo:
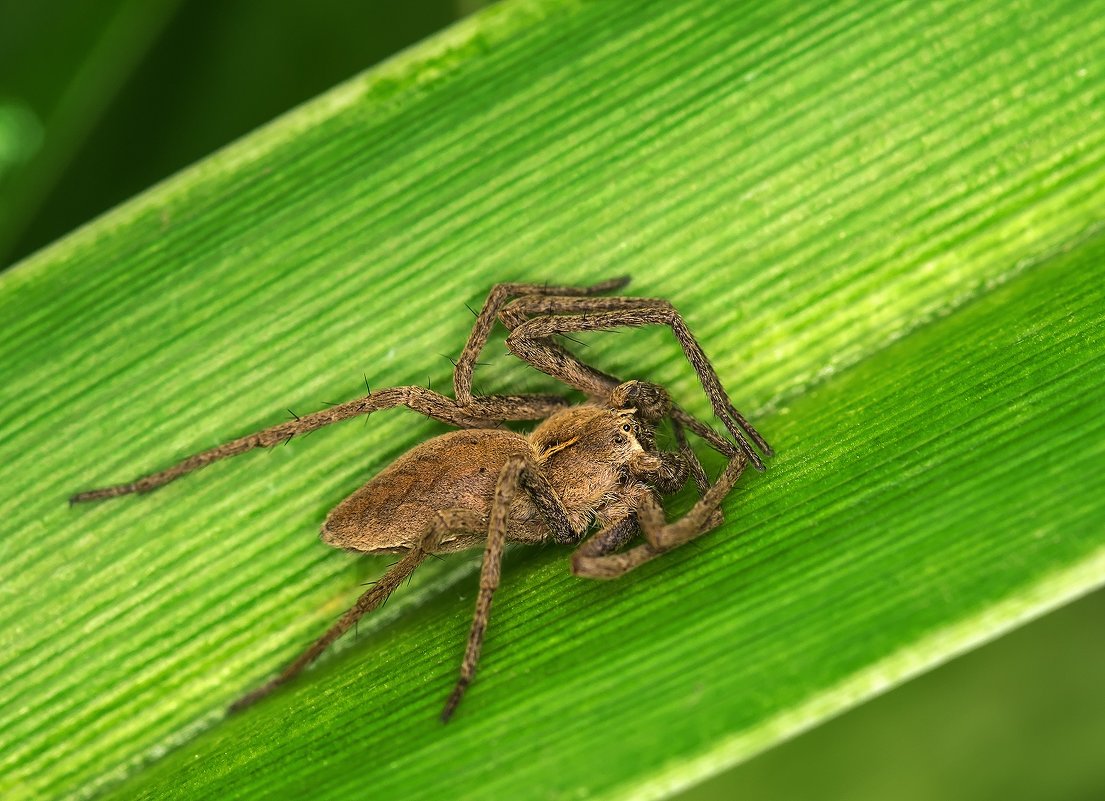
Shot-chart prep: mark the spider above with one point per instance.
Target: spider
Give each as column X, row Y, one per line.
column 588, row 465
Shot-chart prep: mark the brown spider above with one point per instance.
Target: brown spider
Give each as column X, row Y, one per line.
column 584, row 465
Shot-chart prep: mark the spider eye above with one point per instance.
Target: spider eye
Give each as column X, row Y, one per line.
column 627, row 428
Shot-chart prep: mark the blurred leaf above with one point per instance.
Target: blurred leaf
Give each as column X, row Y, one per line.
column 131, row 99
column 883, row 223
column 62, row 64
column 1021, row 718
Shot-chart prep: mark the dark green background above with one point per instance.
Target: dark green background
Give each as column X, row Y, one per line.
column 130, row 91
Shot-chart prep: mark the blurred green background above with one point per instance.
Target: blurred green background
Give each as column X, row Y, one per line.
column 101, row 99
column 1020, row 718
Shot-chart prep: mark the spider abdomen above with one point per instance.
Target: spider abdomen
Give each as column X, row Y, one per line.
column 454, row 473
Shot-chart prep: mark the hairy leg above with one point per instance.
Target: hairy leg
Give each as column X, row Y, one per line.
column 500, row 294
column 694, row 466
column 660, row 535
column 517, row 475
column 448, row 520
column 536, row 320
column 576, row 373
column 597, row 558
column 465, row 412
column 481, row 412
column 702, row 517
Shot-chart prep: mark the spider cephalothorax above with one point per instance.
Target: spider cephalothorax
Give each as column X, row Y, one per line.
column 584, row 466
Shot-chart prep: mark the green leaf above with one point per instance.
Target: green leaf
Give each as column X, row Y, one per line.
column 882, row 222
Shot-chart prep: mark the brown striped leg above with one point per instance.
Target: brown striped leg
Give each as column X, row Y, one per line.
column 532, row 341
column 449, row 520
column 596, row 557
column 481, row 412
column 500, row 294
column 517, row 475
column 599, row 562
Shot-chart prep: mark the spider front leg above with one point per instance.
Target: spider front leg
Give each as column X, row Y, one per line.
column 531, row 340
column 498, row 297
column 596, row 558
column 538, row 299
column 704, row 516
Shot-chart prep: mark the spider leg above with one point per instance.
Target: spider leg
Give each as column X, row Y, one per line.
column 535, row 320
column 700, row 429
column 598, row 560
column 575, row 373
column 518, row 474
column 480, row 412
column 485, row 320
column 464, row 412
column 690, row 458
column 446, row 521
column 705, row 515
column 674, row 466
column 596, row 557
